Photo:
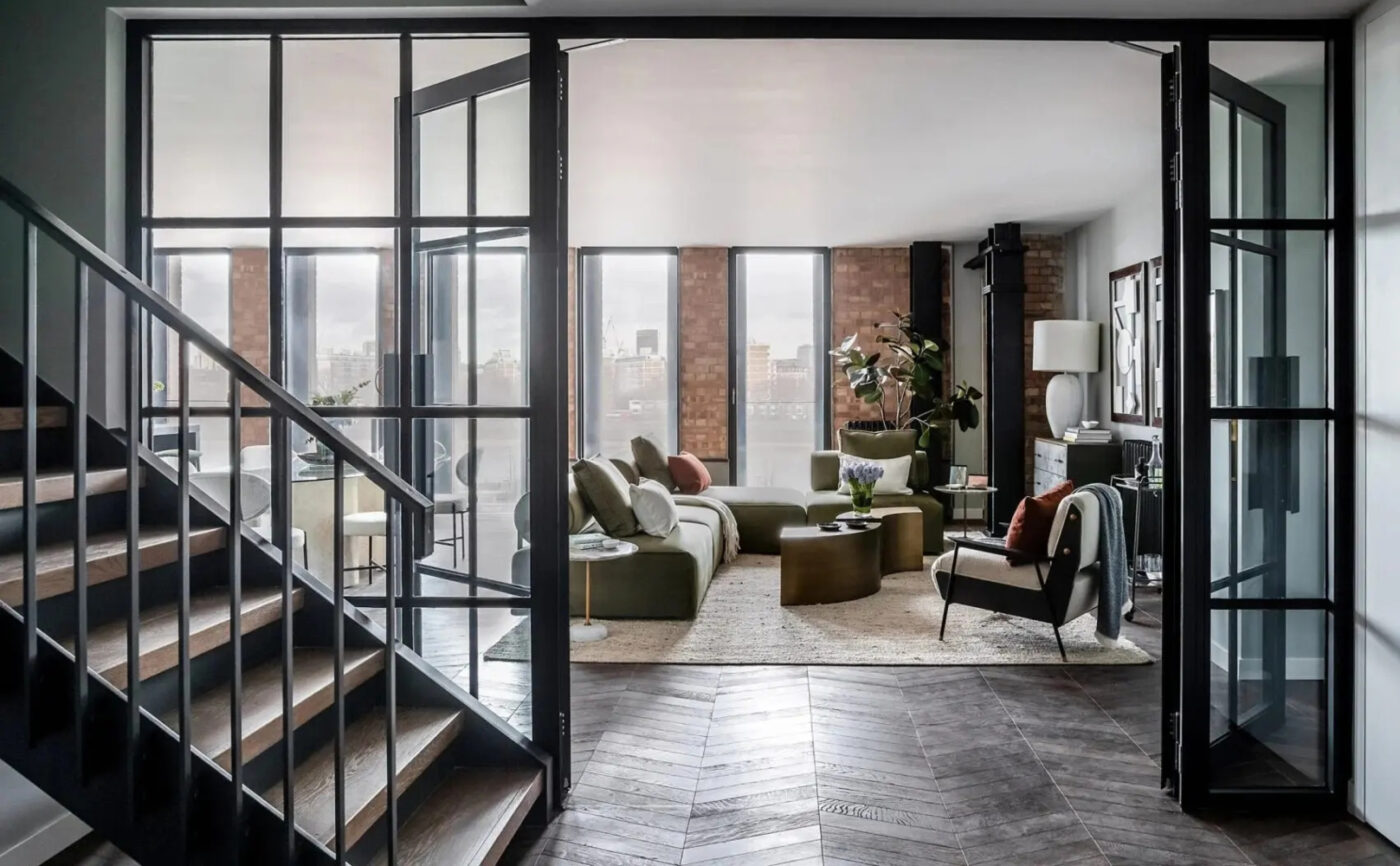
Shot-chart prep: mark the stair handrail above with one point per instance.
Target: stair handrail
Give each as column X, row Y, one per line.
column 277, row 397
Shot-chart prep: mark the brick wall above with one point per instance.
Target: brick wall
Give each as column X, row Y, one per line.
column 867, row 285
column 248, row 328
column 1045, row 299
column 704, row 354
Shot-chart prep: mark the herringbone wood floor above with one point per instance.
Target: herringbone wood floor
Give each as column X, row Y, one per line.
column 874, row 766
column 893, row 766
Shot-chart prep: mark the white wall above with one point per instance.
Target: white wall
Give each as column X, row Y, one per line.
column 1377, row 784
column 1128, row 234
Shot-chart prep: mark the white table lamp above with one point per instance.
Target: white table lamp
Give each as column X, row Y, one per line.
column 1064, row 346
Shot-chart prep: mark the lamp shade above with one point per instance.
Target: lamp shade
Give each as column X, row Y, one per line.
column 1065, row 346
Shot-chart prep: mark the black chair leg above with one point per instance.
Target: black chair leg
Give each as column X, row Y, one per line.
column 948, row 600
column 455, row 539
column 1050, row 606
column 947, row 603
column 1059, row 643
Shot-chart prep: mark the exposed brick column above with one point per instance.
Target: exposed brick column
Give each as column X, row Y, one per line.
column 1045, row 299
column 572, row 341
column 704, row 351
column 249, row 328
column 867, row 285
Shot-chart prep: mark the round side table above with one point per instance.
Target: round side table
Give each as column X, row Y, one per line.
column 589, row 631
column 963, row 491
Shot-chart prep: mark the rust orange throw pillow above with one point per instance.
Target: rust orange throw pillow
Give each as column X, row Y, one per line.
column 1029, row 532
column 688, row 472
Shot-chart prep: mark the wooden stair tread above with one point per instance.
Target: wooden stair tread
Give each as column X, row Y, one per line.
column 106, row 558
column 423, row 733
column 47, row 417
column 313, row 690
column 470, row 818
column 56, row 485
column 160, row 648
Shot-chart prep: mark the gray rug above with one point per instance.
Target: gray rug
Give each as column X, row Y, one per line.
column 741, row 622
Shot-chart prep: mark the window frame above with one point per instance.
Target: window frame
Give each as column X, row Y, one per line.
column 821, row 338
column 588, row 306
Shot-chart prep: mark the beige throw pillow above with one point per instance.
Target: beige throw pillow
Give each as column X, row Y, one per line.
column 655, row 508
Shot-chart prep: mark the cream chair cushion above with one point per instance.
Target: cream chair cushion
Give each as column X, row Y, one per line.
column 367, row 523
column 993, row 567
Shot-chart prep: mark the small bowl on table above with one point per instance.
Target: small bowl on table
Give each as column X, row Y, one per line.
column 833, row 526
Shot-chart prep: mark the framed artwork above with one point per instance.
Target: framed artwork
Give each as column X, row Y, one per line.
column 1127, row 335
column 1156, row 390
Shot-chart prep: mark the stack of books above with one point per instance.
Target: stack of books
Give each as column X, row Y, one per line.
column 1084, row 434
column 589, row 541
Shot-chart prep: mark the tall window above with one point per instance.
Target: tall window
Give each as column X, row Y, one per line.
column 781, row 310
column 627, row 338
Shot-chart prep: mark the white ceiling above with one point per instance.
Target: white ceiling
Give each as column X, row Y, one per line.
column 980, row 8
column 705, row 142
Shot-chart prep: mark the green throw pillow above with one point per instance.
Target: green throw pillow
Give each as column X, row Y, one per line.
column 883, row 445
column 605, row 492
column 651, row 462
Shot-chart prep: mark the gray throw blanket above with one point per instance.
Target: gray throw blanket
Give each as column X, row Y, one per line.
column 729, row 527
column 1113, row 562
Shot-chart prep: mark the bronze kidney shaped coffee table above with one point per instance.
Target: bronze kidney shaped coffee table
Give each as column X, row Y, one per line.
column 820, row 567
column 901, row 537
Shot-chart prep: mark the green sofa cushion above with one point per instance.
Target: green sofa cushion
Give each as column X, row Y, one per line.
column 824, row 505
column 884, row 444
column 604, row 491
column 651, row 462
column 761, row 513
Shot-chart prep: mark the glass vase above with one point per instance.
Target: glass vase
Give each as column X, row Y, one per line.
column 862, row 497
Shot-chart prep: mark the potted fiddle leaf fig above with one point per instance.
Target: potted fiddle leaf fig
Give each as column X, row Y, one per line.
column 905, row 372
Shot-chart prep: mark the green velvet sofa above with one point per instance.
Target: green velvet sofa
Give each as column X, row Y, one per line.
column 667, row 578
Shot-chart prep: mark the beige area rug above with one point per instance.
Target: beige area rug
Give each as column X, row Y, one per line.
column 741, row 622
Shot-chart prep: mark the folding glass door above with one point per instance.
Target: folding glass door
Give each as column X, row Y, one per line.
column 1261, row 447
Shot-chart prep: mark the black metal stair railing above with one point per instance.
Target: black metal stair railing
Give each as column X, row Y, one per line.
column 406, row 512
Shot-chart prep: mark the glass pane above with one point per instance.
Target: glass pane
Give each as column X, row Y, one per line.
column 782, row 403
column 313, row 499
column 443, row 157
column 1268, row 699
column 437, row 59
column 629, row 343
column 503, row 152
column 209, row 128
column 1270, row 328
column 338, row 126
column 476, row 312
column 219, row 278
column 340, row 316
column 1290, row 79
column 1220, row 205
column 444, row 135
column 1270, row 508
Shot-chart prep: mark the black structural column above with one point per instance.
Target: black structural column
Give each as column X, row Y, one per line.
column 549, row 564
column 926, row 291
column 1002, row 261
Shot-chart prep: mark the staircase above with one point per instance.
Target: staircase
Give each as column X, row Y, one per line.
column 172, row 677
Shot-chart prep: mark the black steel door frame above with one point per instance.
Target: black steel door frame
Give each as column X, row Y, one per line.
column 549, row 244
column 1187, row 430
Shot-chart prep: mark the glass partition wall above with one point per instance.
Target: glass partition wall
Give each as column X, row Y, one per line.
column 1265, row 412
column 359, row 216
